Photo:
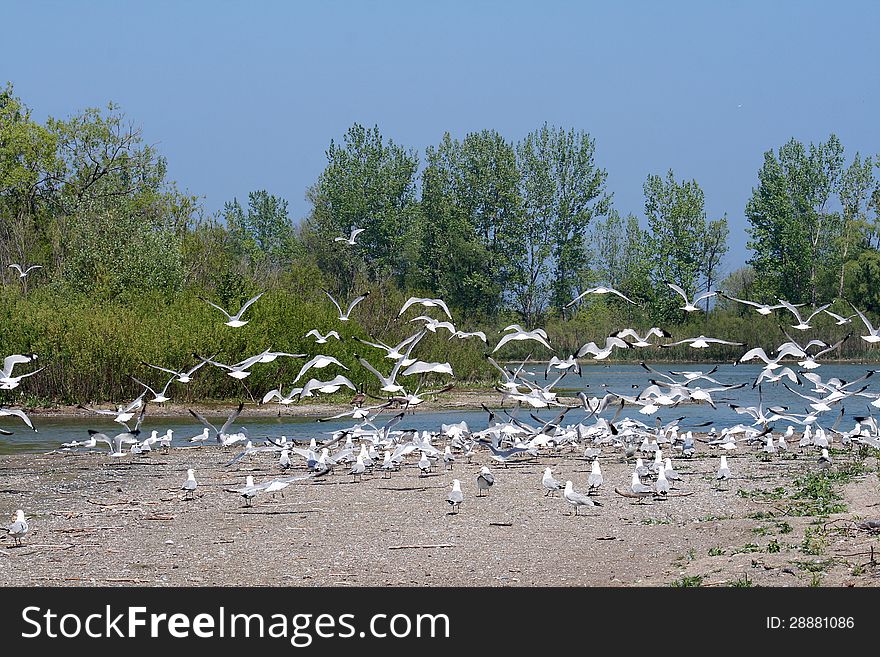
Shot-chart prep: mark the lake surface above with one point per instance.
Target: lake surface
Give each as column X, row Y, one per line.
column 595, row 380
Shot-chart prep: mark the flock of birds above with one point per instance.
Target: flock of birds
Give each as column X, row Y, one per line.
column 369, row 445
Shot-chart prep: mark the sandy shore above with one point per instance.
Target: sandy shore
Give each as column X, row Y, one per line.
column 457, row 398
column 101, row 521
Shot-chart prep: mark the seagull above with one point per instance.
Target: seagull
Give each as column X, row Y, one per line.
column 432, row 324
column 221, row 434
column 760, row 308
column 282, row 399
column 158, row 397
column 235, row 321
column 802, row 324
column 18, row 528
column 343, row 316
column 600, row 353
column 701, row 342
column 598, row 290
column 638, row 488
column 824, row 460
column 873, row 333
column 723, row 471
column 202, row 437
column 326, row 386
column 351, row 238
column 463, row 335
column 641, row 341
column 690, row 306
column 563, row 364
column 455, row 496
column 448, row 457
column 549, row 483
column 122, row 413
column 424, row 465
column 17, row 412
column 661, row 486
column 7, row 381
column 428, row 303
column 182, row 376
column 322, row 339
column 420, row 367
column 577, row 499
column 840, row 320
column 595, row 479
column 357, row 470
column 190, row 484
column 485, row 480
column 518, row 334
column 22, row 273
column 318, row 362
column 396, row 352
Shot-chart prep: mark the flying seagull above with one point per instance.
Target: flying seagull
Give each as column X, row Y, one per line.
column 598, row 290
column 351, row 238
column 428, row 303
column 22, row 273
column 690, row 306
column 235, row 321
column 343, row 316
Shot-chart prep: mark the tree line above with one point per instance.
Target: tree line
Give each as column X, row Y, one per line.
column 503, row 231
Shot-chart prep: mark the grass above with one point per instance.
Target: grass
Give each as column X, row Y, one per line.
column 813, row 543
column 688, row 581
column 816, row 493
column 742, row 582
column 818, row 566
column 716, row 552
column 656, row 521
column 748, row 548
column 773, row 546
column 777, row 493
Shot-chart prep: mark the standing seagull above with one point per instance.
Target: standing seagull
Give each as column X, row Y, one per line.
column 25, row 272
column 723, row 473
column 235, row 321
column 190, row 484
column 485, row 480
column 455, row 496
column 578, row 499
column 343, row 316
column 549, row 483
column 351, row 238
column 690, row 306
column 18, row 528
column 595, row 479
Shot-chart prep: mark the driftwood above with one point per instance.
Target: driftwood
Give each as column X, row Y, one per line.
column 652, row 495
column 501, row 524
column 412, row 547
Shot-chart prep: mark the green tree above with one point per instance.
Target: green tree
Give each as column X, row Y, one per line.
column 28, row 162
column 563, row 190
column 793, row 230
column 264, row 234
column 368, row 183
column 470, row 220
column 677, row 225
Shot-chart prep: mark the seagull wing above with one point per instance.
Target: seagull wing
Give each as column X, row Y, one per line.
column 211, row 303
column 355, row 302
column 248, row 304
column 329, row 296
column 232, row 417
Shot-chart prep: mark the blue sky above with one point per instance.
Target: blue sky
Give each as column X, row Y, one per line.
column 247, row 95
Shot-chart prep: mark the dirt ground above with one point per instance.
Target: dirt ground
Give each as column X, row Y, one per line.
column 95, row 520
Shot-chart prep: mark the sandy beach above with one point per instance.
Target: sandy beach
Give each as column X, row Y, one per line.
column 101, row 521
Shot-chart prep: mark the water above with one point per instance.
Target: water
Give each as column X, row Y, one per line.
column 616, row 377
